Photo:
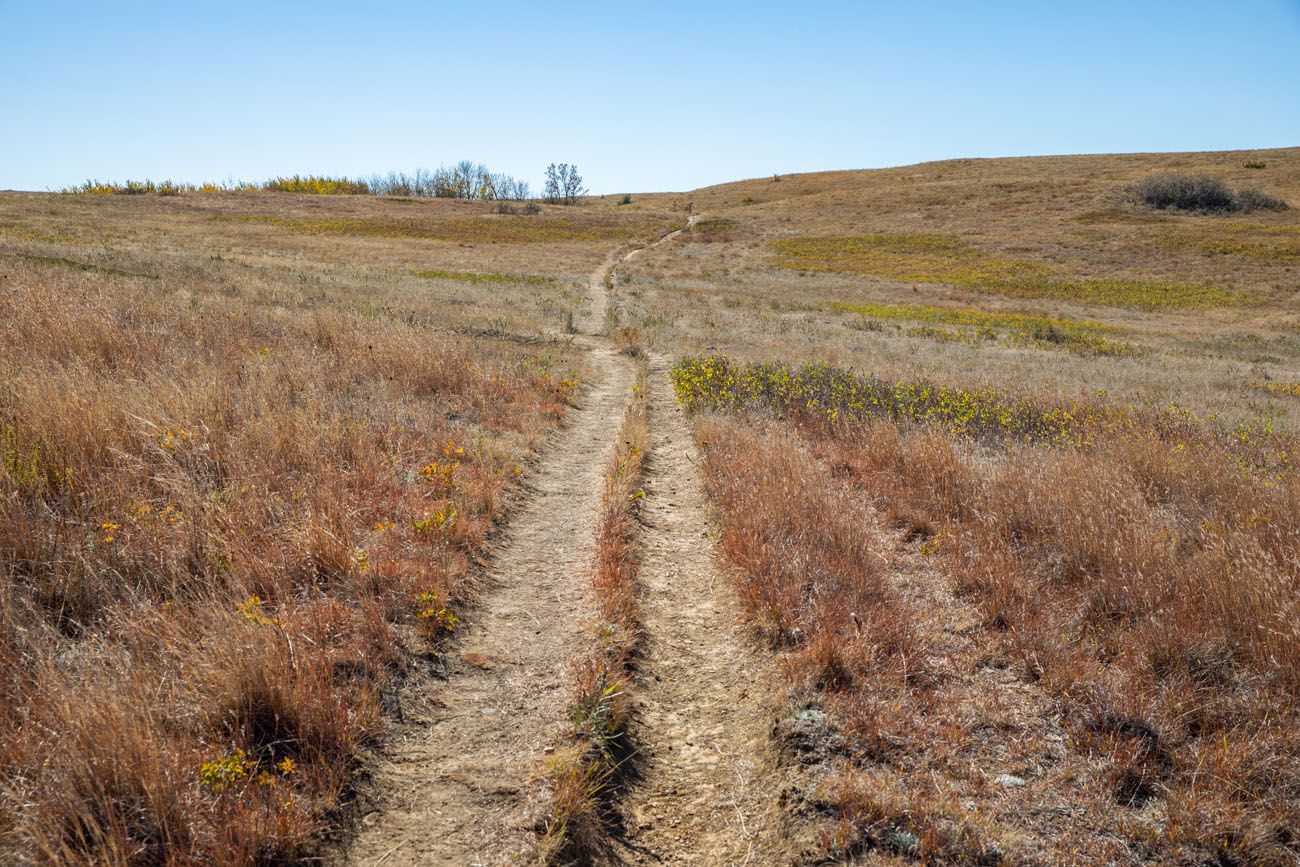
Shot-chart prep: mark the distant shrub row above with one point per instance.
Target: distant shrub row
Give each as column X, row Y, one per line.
column 1203, row 193
column 465, row 180
column 161, row 188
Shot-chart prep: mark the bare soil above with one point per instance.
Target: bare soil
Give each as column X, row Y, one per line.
column 707, row 695
column 454, row 787
column 455, row 783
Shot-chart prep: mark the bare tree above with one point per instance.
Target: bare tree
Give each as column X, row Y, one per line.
column 563, row 184
column 464, row 180
column 551, row 190
column 443, row 187
column 572, row 185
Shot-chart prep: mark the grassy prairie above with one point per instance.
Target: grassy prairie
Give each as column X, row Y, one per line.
column 1003, row 465
column 1032, row 607
column 244, row 482
column 1208, row 302
column 1137, row 569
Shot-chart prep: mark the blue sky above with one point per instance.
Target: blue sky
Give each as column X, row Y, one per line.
column 642, row 96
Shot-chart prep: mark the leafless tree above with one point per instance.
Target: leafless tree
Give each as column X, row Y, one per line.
column 464, row 180
column 563, row 184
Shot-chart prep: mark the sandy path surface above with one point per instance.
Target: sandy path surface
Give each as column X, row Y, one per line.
column 708, row 793
column 453, row 788
column 454, row 785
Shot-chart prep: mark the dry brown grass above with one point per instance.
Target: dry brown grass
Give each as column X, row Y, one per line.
column 585, row 779
column 239, row 496
column 1051, row 222
column 252, row 446
column 813, row 578
column 1106, row 615
column 482, row 229
column 1151, row 588
column 1147, row 583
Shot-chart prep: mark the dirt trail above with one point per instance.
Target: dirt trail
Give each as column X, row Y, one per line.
column 453, row 788
column 455, row 791
column 598, row 286
column 706, row 694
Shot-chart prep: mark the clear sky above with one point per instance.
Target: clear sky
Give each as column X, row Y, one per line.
column 642, row 96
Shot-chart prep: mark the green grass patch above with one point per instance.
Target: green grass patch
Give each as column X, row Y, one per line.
column 483, row 278
column 944, row 335
column 712, row 230
column 917, row 258
column 1070, row 335
column 1106, row 216
column 1272, row 245
column 494, row 229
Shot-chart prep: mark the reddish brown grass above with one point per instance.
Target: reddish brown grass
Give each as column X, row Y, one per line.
column 1154, row 590
column 811, row 575
column 225, row 527
column 1148, row 584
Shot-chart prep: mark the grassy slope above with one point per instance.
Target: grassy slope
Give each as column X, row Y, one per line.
column 245, row 474
column 1122, row 688
column 1061, row 216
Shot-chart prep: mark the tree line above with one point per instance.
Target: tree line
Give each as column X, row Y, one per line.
column 464, row 180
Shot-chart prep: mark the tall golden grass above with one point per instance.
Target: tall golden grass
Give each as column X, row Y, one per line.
column 226, row 527
column 1145, row 577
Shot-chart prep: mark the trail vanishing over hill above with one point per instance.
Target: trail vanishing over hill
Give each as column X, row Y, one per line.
column 456, row 783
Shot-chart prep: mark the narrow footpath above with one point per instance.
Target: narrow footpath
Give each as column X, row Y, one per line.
column 456, row 783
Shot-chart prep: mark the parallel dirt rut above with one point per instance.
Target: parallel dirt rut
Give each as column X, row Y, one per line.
column 706, row 694
column 455, row 787
column 456, row 791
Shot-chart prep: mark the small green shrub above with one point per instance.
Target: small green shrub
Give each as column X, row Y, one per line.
column 626, row 200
